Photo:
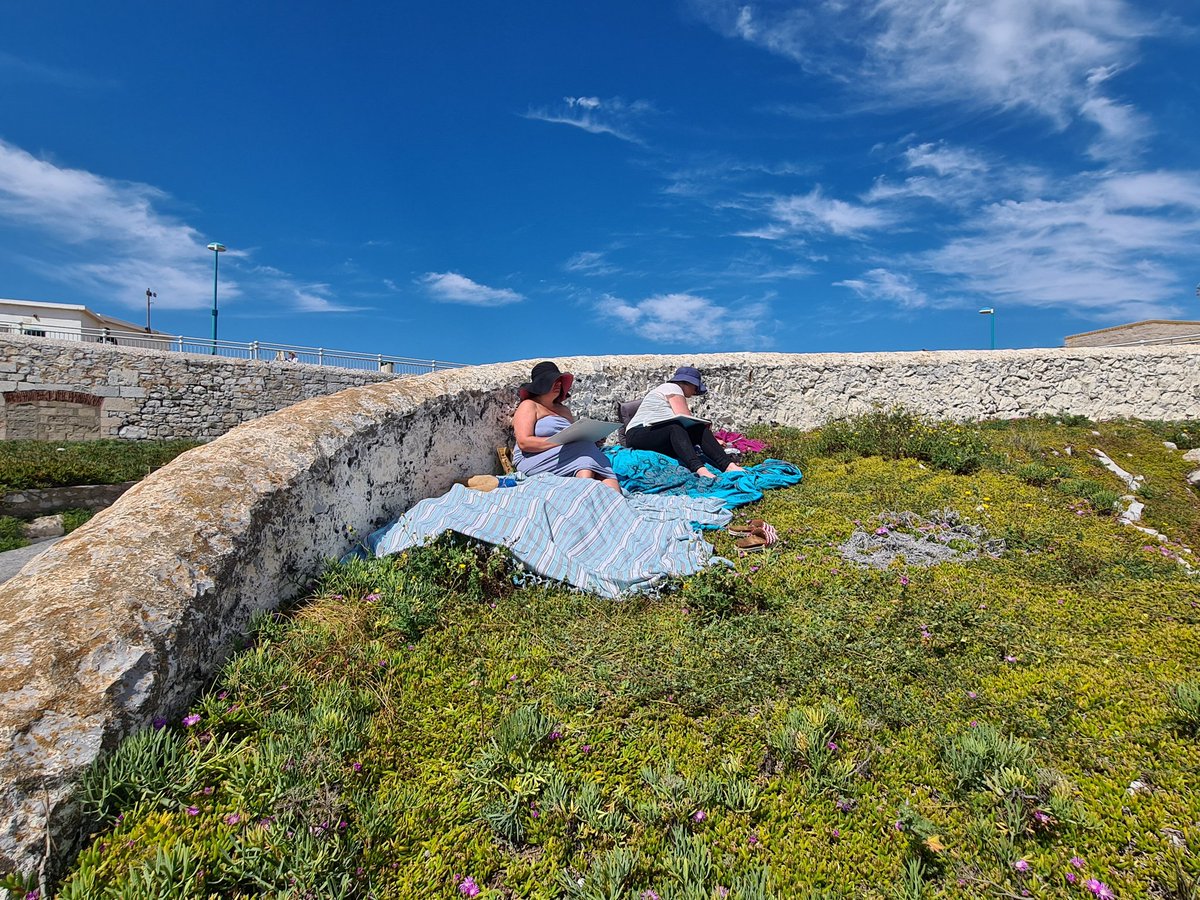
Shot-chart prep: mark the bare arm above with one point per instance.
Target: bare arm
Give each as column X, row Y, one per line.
column 679, row 405
column 524, row 420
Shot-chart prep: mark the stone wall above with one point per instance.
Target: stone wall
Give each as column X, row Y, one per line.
column 126, row 618
column 135, row 393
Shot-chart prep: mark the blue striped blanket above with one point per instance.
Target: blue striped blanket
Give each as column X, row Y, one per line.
column 570, row 529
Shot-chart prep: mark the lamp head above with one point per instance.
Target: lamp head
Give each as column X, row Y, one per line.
column 216, row 248
column 987, row 312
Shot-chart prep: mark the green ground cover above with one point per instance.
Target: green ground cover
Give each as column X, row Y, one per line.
column 28, row 465
column 46, row 464
column 1009, row 725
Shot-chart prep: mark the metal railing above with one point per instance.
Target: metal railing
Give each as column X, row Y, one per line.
column 259, row 350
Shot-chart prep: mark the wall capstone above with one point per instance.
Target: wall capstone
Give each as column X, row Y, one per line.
column 126, row 618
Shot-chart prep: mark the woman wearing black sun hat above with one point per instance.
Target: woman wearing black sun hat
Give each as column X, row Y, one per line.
column 543, row 413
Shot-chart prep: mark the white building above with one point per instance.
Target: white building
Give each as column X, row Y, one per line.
column 62, row 321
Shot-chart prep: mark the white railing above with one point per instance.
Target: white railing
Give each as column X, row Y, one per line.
column 260, row 350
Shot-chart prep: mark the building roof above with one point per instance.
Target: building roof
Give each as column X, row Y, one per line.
column 104, row 320
column 1133, row 325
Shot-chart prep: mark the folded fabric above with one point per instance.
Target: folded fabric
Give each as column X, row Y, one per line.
column 575, row 530
column 739, row 441
column 647, row 472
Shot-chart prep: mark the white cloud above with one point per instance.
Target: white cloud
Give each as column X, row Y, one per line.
column 592, row 114
column 107, row 240
column 949, row 175
column 450, row 287
column 1047, row 56
column 815, row 213
column 882, row 284
column 944, row 160
column 690, row 320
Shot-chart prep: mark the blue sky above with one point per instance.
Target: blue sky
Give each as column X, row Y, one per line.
column 480, row 181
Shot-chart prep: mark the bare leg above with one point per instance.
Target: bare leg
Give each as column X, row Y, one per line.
column 585, row 473
column 705, row 472
column 734, row 467
column 612, row 483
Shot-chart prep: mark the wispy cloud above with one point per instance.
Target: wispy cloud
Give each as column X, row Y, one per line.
column 590, row 262
column 16, row 69
column 1108, row 244
column 689, row 320
column 108, row 240
column 613, row 115
column 450, row 287
column 1046, row 57
column 814, row 213
column 888, row 286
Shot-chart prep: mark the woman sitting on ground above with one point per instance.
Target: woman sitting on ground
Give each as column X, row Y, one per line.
column 656, row 426
column 543, row 413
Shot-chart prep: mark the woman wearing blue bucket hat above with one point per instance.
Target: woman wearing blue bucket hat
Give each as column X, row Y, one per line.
column 664, row 424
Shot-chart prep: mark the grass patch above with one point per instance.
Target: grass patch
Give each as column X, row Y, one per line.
column 795, row 726
column 12, row 534
column 45, row 464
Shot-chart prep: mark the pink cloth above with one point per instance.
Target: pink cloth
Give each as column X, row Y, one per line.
column 739, row 441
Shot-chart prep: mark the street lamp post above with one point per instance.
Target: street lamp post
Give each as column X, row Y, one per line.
column 991, row 313
column 217, row 250
column 149, row 294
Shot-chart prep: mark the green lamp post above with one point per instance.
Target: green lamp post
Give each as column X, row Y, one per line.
column 217, row 250
column 991, row 313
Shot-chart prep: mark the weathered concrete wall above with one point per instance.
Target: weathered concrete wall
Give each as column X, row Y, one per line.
column 126, row 618
column 135, row 393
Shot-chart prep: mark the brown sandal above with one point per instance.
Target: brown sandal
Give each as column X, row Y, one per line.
column 749, row 528
column 752, row 542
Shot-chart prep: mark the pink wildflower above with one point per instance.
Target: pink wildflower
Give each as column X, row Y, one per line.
column 699, row 815
column 232, row 819
column 1100, row 889
column 1071, row 878
column 1077, row 862
column 191, row 720
column 903, row 581
column 193, row 811
column 468, row 888
column 1021, row 865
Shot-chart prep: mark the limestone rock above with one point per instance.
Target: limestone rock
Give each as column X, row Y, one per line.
column 1170, row 445
column 1193, row 476
column 44, row 527
column 1192, row 456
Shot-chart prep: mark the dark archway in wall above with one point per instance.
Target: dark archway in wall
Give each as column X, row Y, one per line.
column 50, row 416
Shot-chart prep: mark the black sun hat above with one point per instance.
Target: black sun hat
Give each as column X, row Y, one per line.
column 542, row 378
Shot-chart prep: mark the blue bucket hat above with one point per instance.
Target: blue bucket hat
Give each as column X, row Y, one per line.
column 691, row 375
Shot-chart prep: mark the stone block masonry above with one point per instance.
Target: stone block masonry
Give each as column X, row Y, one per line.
column 126, row 618
column 70, row 390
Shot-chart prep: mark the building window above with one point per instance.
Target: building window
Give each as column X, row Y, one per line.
column 33, row 332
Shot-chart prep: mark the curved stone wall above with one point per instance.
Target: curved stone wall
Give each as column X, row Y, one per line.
column 126, row 618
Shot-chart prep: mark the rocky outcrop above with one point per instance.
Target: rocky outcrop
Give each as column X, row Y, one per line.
column 124, row 619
